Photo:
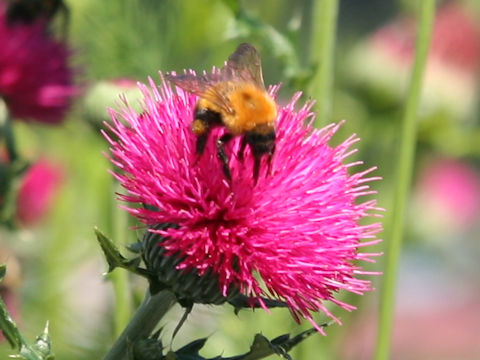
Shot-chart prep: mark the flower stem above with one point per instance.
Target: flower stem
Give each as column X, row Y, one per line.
column 120, row 278
column 6, row 131
column 322, row 51
column 404, row 174
column 144, row 321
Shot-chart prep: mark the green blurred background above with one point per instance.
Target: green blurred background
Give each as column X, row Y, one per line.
column 438, row 302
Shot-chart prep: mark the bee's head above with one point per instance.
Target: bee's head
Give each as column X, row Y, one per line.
column 261, row 139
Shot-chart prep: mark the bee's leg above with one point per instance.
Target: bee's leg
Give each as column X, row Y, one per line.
column 256, row 167
column 261, row 143
column 222, row 155
column 201, row 128
column 269, row 159
column 203, row 122
column 201, row 142
column 243, row 145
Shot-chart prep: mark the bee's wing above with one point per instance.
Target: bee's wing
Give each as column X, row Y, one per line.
column 203, row 86
column 196, row 84
column 245, row 64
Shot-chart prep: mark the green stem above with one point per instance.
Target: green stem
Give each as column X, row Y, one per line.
column 7, row 131
column 144, row 321
column 404, row 175
column 11, row 170
column 322, row 53
column 119, row 278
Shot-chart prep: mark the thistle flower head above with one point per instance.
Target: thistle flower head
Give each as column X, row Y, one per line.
column 294, row 235
column 35, row 79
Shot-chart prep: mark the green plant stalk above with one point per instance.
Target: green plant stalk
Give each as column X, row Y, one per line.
column 6, row 131
column 8, row 193
column 322, row 53
column 144, row 321
column 404, row 175
column 119, row 278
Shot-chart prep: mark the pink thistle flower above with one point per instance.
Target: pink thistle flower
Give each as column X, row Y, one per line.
column 294, row 236
column 35, row 79
column 37, row 190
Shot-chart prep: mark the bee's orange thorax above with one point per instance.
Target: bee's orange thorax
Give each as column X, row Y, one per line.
column 249, row 106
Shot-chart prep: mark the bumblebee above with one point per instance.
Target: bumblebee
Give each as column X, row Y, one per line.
column 28, row 11
column 233, row 97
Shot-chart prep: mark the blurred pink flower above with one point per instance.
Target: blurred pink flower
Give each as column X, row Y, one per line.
column 37, row 190
column 293, row 236
column 36, row 81
column 449, row 192
column 446, row 321
column 105, row 93
column 455, row 40
column 396, row 40
column 385, row 59
column 125, row 83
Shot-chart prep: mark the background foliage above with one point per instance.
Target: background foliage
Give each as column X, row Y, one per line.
column 62, row 265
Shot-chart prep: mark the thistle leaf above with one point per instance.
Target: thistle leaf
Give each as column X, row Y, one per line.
column 281, row 345
column 260, row 348
column 41, row 350
column 241, row 301
column 114, row 257
column 192, row 348
column 7, row 324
